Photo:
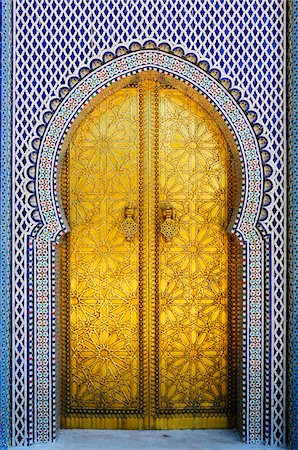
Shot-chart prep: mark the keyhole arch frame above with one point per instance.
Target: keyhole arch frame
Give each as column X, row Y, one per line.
column 51, row 224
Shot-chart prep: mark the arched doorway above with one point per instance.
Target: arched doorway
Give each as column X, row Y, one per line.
column 44, row 270
column 149, row 272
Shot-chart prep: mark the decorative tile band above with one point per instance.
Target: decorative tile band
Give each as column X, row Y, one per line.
column 44, row 340
column 92, row 84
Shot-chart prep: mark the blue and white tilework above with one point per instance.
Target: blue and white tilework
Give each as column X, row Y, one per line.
column 53, row 41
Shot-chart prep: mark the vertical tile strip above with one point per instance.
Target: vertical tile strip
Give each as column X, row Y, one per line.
column 43, row 318
column 5, row 69
column 293, row 222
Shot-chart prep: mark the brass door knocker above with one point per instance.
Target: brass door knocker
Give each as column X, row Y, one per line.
column 168, row 227
column 129, row 227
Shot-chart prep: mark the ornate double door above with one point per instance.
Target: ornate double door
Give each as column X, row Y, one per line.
column 145, row 282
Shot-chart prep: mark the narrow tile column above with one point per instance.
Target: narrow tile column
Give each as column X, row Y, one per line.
column 5, row 73
column 293, row 223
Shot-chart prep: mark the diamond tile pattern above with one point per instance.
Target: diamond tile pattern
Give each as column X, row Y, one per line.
column 244, row 39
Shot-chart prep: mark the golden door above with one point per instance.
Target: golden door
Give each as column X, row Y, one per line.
column 145, row 338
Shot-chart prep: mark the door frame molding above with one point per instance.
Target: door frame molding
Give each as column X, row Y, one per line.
column 50, row 225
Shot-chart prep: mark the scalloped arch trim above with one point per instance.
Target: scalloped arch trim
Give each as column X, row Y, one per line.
column 46, row 210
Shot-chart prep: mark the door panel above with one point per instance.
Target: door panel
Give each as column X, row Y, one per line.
column 192, row 328
column 106, row 345
column 146, row 314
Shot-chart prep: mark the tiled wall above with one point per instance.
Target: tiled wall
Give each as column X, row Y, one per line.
column 53, row 40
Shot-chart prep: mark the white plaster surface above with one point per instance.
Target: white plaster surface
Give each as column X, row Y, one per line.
column 147, row 440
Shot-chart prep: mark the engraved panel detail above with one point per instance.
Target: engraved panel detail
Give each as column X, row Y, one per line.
column 193, row 289
column 105, row 344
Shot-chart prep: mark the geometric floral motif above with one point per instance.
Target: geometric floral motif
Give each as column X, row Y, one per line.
column 193, row 323
column 102, row 266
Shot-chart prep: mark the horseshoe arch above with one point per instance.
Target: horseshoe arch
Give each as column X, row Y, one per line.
column 52, row 224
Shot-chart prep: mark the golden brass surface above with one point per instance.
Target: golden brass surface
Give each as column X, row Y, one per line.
column 145, row 302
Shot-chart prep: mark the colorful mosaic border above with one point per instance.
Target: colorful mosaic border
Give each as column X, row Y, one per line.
column 245, row 225
column 92, row 84
column 47, row 199
column 5, row 72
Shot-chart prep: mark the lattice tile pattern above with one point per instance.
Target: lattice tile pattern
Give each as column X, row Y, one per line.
column 55, row 38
